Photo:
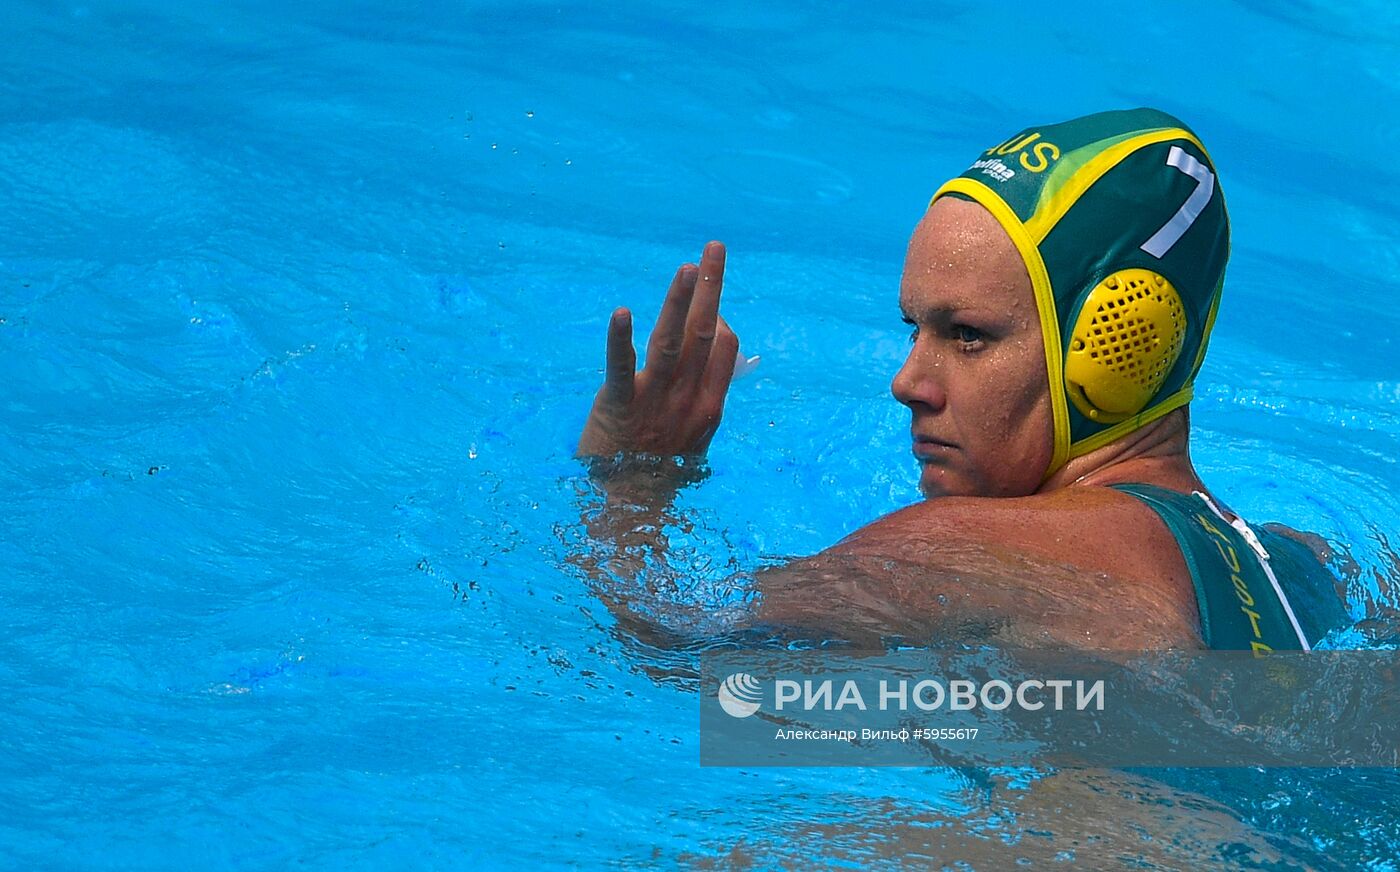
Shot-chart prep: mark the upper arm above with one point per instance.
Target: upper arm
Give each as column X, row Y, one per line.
column 1093, row 530
column 1085, row 571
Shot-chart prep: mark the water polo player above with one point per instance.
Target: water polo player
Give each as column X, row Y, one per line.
column 1061, row 292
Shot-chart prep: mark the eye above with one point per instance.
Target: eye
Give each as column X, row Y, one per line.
column 913, row 329
column 969, row 336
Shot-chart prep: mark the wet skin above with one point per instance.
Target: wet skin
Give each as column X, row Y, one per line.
column 976, row 387
column 975, row 377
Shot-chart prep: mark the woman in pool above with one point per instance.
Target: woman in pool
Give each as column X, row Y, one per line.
column 1061, row 292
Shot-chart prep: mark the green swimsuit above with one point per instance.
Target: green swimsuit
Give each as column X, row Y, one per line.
column 1256, row 590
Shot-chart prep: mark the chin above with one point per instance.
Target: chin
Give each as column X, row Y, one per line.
column 949, row 485
column 934, row 487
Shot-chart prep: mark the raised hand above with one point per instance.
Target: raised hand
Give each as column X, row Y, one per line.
column 673, row 406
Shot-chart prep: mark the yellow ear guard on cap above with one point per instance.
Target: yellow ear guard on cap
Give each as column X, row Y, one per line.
column 1125, row 341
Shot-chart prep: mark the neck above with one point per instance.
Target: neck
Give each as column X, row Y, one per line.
column 1155, row 454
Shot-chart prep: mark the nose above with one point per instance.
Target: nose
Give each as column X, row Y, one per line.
column 919, row 381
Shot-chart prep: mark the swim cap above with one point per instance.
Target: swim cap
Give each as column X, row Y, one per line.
column 1122, row 226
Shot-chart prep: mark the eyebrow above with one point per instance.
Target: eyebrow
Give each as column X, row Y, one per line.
column 934, row 313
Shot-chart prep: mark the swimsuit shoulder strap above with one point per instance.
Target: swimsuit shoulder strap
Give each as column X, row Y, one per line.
column 1243, row 603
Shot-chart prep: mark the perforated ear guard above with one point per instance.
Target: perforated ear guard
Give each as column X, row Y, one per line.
column 1126, row 339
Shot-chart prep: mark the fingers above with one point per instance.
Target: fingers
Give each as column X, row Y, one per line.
column 701, row 325
column 720, row 370
column 668, row 336
column 622, row 358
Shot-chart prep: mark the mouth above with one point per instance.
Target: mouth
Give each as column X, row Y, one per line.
column 931, row 447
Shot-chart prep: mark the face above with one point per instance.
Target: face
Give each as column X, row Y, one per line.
column 975, row 379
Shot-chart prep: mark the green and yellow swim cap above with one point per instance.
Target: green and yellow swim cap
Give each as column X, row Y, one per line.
column 1122, row 226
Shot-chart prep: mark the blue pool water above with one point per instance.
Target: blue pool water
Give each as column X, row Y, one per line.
column 301, row 309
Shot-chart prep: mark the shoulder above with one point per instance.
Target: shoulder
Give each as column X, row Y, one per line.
column 1094, row 528
column 1319, row 546
column 1320, row 550
column 1086, row 562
